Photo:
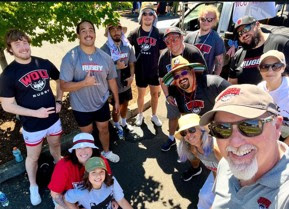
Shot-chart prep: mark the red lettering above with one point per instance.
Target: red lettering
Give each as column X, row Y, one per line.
column 26, row 80
column 43, row 74
column 34, row 75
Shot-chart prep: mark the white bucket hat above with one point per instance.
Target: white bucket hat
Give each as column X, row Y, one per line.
column 82, row 140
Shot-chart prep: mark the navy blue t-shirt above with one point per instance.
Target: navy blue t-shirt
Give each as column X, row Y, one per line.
column 29, row 84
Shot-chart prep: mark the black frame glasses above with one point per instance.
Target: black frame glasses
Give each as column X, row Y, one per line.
column 148, row 13
column 207, row 19
column 275, row 67
column 171, row 39
column 246, row 29
column 183, row 73
column 248, row 127
column 191, row 130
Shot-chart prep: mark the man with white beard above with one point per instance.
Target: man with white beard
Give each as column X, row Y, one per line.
column 254, row 170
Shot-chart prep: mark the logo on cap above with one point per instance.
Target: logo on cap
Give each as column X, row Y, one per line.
column 228, row 94
column 239, row 21
column 177, row 61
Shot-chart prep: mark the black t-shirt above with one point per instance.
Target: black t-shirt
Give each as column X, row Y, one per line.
column 29, row 84
column 149, row 47
column 203, row 99
column 245, row 64
column 190, row 53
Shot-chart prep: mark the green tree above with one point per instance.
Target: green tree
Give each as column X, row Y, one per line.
column 51, row 21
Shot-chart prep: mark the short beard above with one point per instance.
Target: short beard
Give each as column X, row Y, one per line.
column 254, row 42
column 116, row 39
column 244, row 171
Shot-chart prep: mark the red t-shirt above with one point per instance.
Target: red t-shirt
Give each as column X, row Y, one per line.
column 67, row 175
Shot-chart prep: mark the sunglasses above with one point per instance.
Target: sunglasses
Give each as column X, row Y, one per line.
column 206, row 19
column 147, row 13
column 275, row 67
column 248, row 128
column 191, row 130
column 171, row 39
column 183, row 73
column 246, row 29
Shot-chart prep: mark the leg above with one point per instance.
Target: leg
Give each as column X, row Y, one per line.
column 154, row 91
column 140, row 98
column 173, row 124
column 103, row 134
column 55, row 147
column 123, row 109
column 115, row 116
column 33, row 153
column 86, row 129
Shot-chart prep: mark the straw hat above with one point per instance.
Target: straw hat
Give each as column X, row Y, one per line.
column 185, row 122
column 124, row 29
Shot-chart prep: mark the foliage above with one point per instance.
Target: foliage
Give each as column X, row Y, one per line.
column 122, row 5
column 53, row 21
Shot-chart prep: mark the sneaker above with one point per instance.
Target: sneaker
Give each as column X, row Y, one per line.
column 168, row 144
column 139, row 119
column 156, row 120
column 191, row 172
column 34, row 195
column 127, row 127
column 110, row 156
column 120, row 134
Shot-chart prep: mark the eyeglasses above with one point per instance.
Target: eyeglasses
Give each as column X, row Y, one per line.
column 171, row 39
column 183, row 73
column 248, row 128
column 147, row 13
column 275, row 67
column 206, row 19
column 191, row 130
column 246, row 29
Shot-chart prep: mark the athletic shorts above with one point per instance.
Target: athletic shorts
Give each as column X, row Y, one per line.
column 172, row 111
column 35, row 138
column 123, row 96
column 87, row 118
column 143, row 82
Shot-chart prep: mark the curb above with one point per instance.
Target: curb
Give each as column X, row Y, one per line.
column 12, row 168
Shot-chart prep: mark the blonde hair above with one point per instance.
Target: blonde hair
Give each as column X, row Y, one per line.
column 210, row 8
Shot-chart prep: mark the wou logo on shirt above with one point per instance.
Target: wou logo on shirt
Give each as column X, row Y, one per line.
column 35, row 79
column 92, row 67
column 146, row 42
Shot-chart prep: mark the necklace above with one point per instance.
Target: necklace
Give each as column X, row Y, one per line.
column 197, row 36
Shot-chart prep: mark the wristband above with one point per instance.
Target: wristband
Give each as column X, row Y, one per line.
column 59, row 102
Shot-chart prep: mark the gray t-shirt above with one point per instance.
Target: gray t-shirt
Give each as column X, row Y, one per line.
column 96, row 198
column 74, row 68
column 270, row 191
column 211, row 45
column 127, row 56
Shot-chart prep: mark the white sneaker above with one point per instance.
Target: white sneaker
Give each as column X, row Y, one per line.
column 156, row 120
column 34, row 195
column 110, row 156
column 139, row 119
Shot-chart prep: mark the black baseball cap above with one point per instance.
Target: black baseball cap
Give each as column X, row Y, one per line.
column 173, row 30
column 244, row 21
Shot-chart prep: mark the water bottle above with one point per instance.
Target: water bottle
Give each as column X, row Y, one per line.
column 17, row 154
column 3, row 199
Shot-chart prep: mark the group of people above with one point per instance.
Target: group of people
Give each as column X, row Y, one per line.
column 233, row 130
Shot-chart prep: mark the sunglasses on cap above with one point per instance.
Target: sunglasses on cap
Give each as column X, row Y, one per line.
column 248, row 128
column 246, row 29
column 275, row 67
column 183, row 73
column 206, row 19
column 171, row 39
column 191, row 130
column 147, row 13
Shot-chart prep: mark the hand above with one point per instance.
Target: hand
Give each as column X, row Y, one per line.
column 129, row 80
column 114, row 204
column 44, row 112
column 90, row 80
column 231, row 51
column 120, row 65
column 58, row 107
column 171, row 100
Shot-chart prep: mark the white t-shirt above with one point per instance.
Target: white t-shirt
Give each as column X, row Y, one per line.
column 281, row 98
column 96, row 198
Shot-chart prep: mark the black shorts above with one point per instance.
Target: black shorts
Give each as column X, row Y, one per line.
column 123, row 96
column 143, row 82
column 87, row 118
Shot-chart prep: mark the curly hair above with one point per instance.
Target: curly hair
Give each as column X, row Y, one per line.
column 87, row 185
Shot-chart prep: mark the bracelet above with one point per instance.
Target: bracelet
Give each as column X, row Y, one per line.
column 168, row 96
column 59, row 102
